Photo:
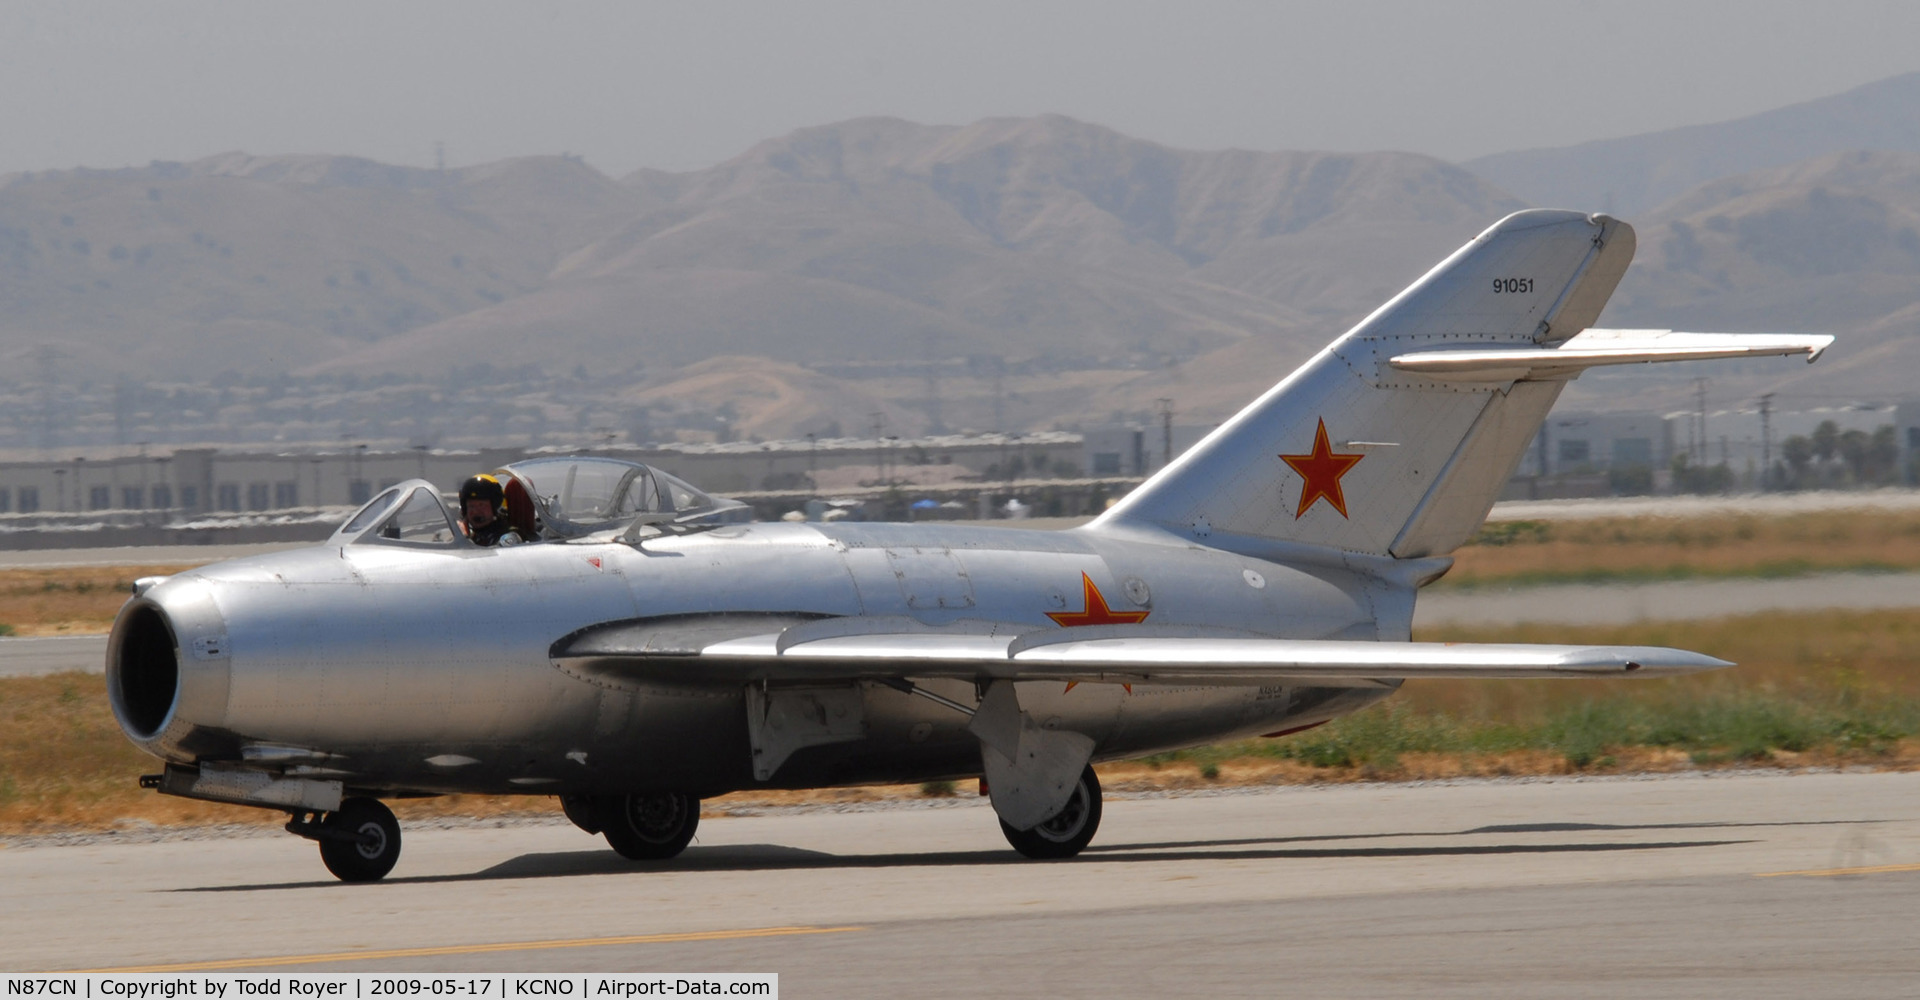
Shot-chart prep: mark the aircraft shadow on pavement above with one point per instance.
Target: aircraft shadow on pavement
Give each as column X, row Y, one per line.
column 1504, row 828
column 774, row 857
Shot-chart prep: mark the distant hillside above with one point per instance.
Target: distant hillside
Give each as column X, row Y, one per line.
column 1012, row 273
column 1040, row 238
column 1034, row 241
column 1831, row 245
column 268, row 263
column 1631, row 175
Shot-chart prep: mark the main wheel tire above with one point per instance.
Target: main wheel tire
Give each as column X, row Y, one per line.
column 649, row 827
column 1069, row 831
column 371, row 846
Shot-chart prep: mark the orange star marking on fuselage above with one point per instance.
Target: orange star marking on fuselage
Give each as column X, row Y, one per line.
column 1097, row 612
column 1321, row 471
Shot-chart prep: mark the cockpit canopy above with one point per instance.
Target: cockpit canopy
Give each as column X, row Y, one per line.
column 572, row 496
column 579, row 495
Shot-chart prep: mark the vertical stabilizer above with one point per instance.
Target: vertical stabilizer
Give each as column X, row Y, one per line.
column 1352, row 453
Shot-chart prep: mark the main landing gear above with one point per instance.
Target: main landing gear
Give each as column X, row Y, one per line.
column 649, row 827
column 359, row 842
column 1068, row 831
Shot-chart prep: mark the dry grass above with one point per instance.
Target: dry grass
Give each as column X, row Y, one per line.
column 1192, row 772
column 1866, row 655
column 73, row 601
column 1634, row 549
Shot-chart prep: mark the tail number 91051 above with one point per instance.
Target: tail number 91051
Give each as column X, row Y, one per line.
column 1512, row 286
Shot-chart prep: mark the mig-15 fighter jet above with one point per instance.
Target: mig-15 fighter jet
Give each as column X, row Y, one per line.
column 646, row 650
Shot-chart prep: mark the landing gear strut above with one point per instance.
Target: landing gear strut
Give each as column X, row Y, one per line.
column 1068, row 831
column 649, row 827
column 359, row 842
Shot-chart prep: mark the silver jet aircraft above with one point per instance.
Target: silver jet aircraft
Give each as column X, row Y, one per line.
column 648, row 651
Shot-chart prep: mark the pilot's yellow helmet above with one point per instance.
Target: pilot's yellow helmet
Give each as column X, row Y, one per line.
column 483, row 487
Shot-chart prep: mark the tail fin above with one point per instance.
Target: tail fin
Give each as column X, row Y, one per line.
column 1396, row 439
column 1355, row 453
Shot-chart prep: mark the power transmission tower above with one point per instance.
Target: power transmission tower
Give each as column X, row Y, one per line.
column 48, row 356
column 999, row 397
column 935, row 425
column 1164, row 407
column 1699, row 449
column 1766, row 441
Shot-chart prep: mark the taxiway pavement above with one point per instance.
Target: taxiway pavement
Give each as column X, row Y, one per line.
column 137, row 555
column 58, row 654
column 1747, row 885
column 1679, row 600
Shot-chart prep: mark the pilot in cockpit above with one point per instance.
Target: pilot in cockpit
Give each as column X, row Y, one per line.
column 483, row 513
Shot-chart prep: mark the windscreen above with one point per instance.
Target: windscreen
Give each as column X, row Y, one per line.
column 364, row 519
column 421, row 520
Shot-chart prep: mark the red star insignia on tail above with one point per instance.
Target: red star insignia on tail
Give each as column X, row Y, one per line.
column 1321, row 471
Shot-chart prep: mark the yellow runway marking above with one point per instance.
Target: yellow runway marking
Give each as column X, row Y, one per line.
column 1816, row 872
column 480, row 949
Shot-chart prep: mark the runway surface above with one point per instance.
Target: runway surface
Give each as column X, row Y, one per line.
column 137, row 555
column 1697, row 886
column 33, row 657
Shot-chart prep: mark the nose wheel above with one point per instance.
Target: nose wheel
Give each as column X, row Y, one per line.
column 1068, row 831
column 360, row 841
column 649, row 827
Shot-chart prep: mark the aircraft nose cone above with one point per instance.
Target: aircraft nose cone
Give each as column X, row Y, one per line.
column 167, row 669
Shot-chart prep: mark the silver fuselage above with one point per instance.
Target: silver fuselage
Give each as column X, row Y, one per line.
column 398, row 668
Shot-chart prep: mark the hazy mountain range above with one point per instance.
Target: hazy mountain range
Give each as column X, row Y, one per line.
column 1630, row 176
column 1048, row 270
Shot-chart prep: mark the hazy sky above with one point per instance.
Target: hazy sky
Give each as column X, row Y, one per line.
column 680, row 86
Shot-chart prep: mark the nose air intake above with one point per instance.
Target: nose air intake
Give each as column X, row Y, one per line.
column 143, row 670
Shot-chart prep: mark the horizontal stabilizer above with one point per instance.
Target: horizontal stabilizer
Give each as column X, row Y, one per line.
column 1594, row 348
column 1049, row 655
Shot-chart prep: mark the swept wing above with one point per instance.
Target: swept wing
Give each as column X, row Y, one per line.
column 683, row 651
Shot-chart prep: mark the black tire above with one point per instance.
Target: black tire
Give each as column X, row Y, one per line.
column 649, row 827
column 372, row 846
column 1069, row 831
